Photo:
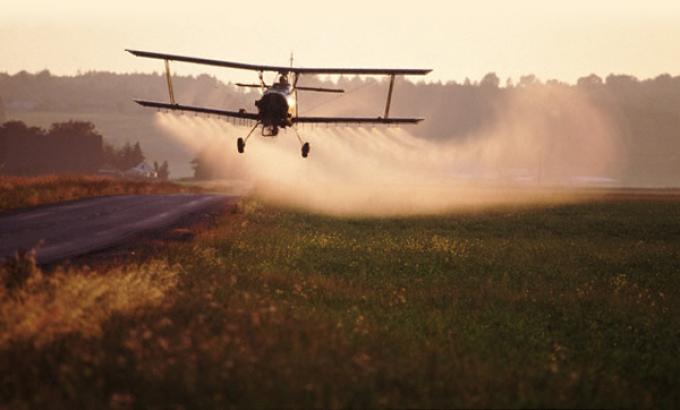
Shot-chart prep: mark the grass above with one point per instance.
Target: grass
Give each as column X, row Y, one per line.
column 46, row 307
column 563, row 306
column 21, row 192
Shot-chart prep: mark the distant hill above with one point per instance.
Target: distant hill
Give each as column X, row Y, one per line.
column 645, row 114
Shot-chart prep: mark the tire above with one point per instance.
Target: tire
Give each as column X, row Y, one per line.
column 240, row 145
column 305, row 149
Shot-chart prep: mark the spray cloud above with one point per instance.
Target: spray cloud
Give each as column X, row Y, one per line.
column 540, row 139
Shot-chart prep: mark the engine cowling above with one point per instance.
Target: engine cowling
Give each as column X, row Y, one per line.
column 273, row 108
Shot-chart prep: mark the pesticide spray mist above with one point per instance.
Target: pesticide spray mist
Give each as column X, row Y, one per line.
column 539, row 140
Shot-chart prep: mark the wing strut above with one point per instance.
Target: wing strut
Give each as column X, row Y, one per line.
column 296, row 77
column 389, row 97
column 168, row 77
column 262, row 84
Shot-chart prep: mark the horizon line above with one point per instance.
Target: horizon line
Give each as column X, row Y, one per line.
column 503, row 80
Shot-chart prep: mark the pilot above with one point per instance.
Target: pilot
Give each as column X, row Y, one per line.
column 283, row 81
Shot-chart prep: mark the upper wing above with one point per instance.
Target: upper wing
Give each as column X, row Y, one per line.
column 281, row 69
column 355, row 120
column 178, row 107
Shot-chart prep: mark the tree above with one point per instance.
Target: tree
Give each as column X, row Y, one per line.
column 43, row 75
column 665, row 79
column 163, row 171
column 556, row 83
column 528, row 80
column 490, row 80
column 621, row 81
column 589, row 81
column 75, row 146
column 130, row 156
column 109, row 155
column 68, row 147
column 73, row 128
column 2, row 111
column 123, row 158
column 137, row 154
column 19, row 128
column 201, row 168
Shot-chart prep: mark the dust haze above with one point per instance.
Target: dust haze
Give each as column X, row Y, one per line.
column 542, row 147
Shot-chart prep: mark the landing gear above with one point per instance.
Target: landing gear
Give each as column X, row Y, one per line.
column 305, row 146
column 241, row 143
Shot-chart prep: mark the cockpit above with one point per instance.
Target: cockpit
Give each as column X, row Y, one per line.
column 282, row 84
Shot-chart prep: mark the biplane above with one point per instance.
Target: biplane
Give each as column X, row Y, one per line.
column 278, row 106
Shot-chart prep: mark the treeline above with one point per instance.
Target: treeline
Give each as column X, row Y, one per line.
column 122, row 158
column 109, row 92
column 452, row 109
column 2, row 110
column 645, row 114
column 72, row 147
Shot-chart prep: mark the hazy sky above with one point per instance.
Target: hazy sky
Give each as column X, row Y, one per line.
column 459, row 39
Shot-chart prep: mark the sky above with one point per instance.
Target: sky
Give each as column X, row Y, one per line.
column 562, row 40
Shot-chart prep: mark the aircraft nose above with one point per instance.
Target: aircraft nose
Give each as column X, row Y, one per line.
column 273, row 105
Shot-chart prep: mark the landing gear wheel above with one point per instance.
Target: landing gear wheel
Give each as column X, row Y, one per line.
column 240, row 145
column 305, row 149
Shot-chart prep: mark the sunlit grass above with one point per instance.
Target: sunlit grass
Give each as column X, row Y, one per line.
column 76, row 301
column 20, row 192
column 563, row 306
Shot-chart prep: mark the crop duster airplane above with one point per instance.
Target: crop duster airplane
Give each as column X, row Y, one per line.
column 278, row 106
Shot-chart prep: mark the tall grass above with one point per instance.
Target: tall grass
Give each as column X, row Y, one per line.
column 40, row 308
column 20, row 192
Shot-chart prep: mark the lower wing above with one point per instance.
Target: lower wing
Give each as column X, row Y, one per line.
column 242, row 114
column 248, row 116
column 355, row 120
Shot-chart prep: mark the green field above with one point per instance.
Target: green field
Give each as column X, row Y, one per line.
column 563, row 306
